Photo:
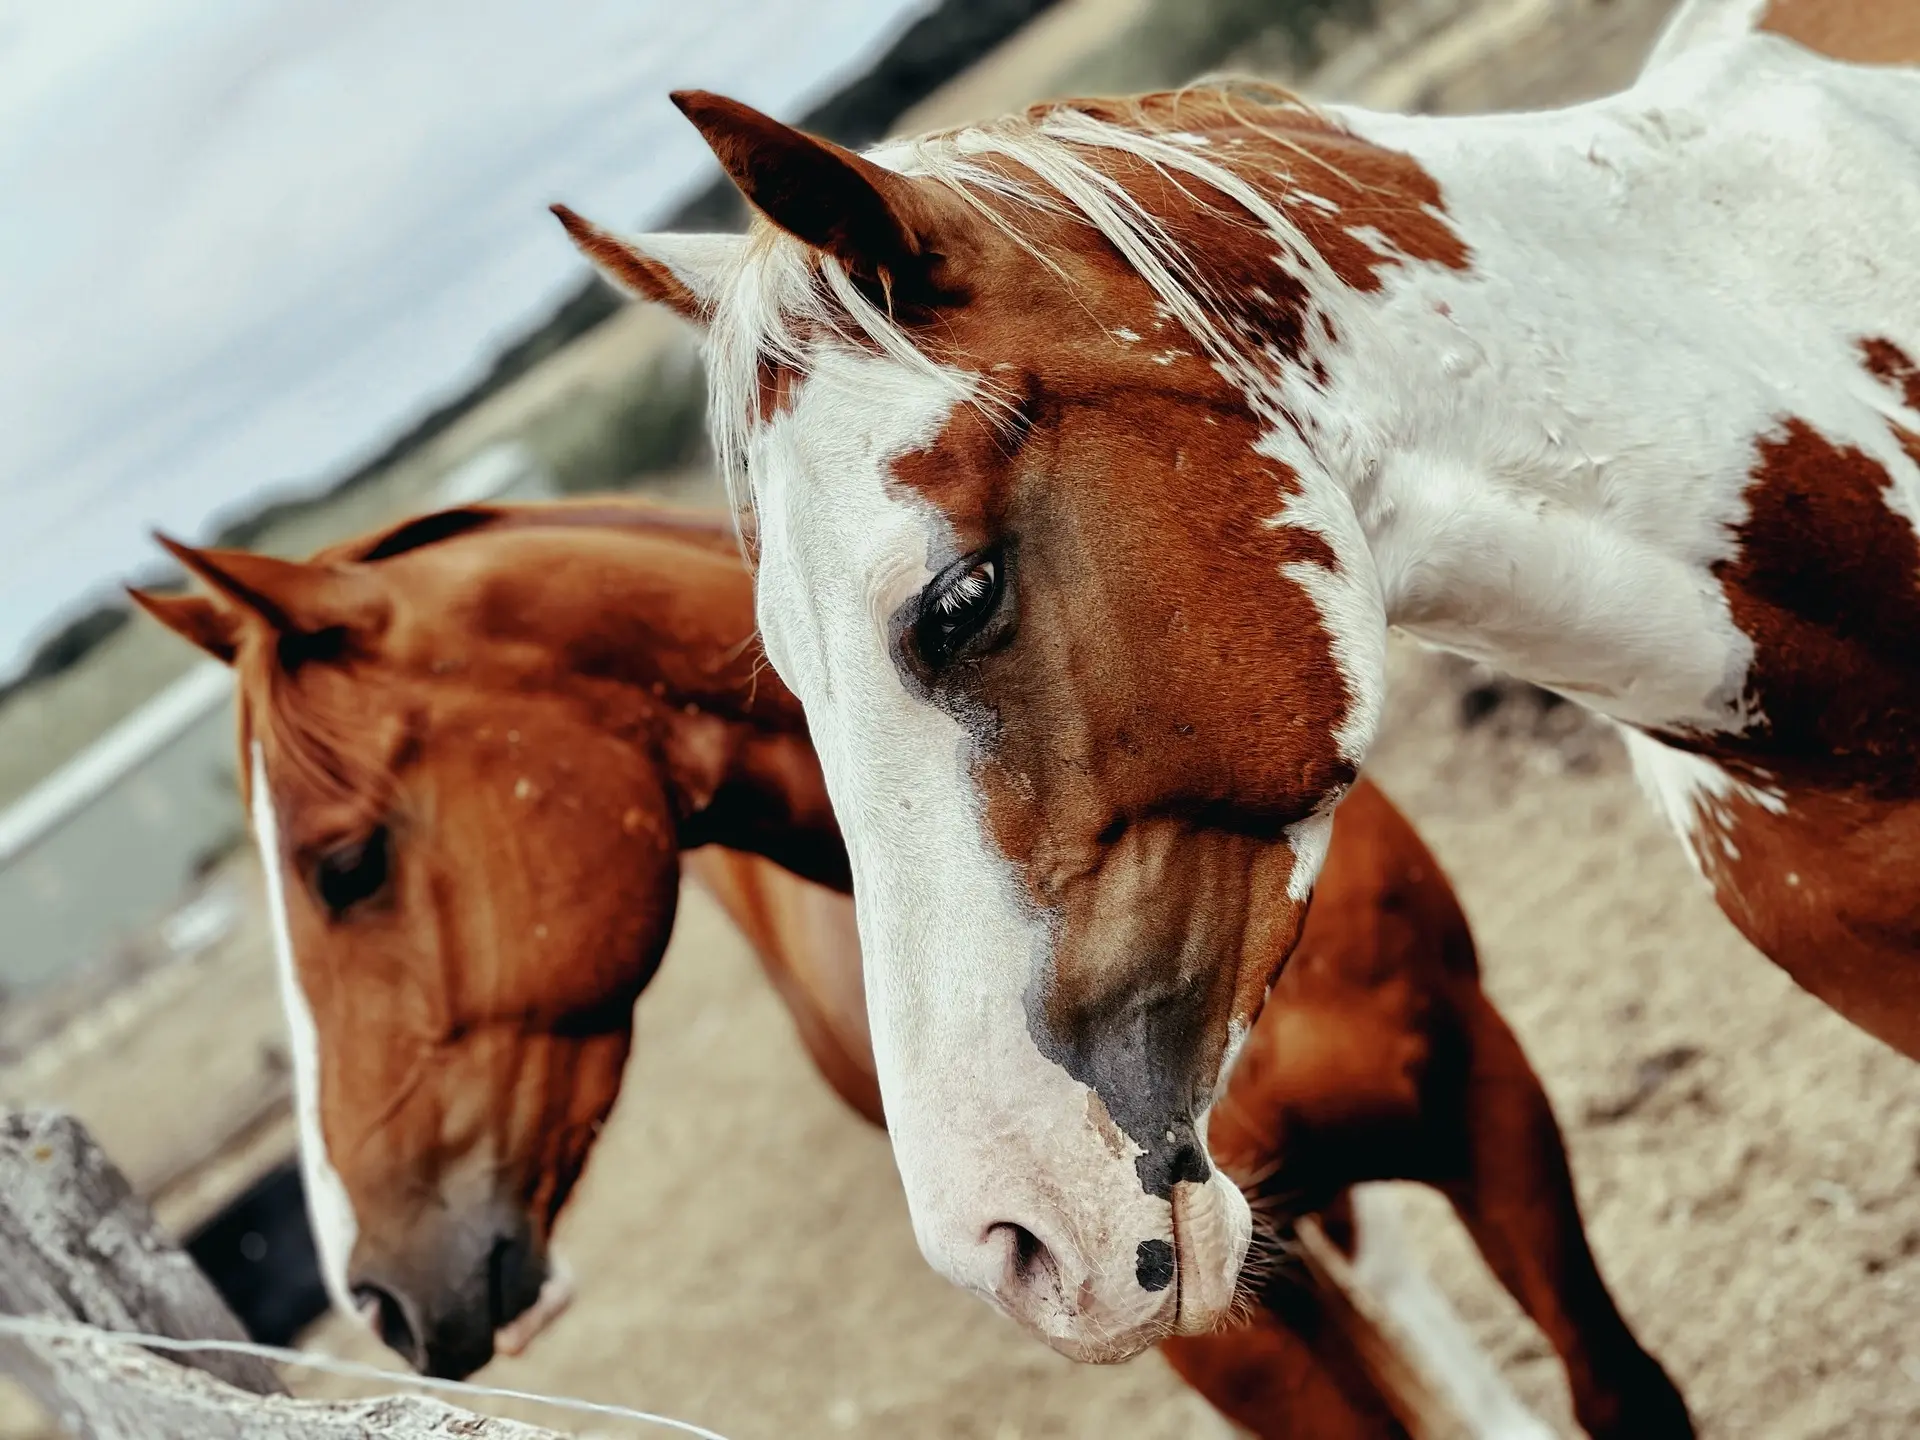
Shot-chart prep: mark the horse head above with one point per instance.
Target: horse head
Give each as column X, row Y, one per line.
column 1089, row 645
column 470, row 789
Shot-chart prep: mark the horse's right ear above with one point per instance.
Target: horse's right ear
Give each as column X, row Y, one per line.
column 294, row 598
column 683, row 272
column 196, row 619
column 889, row 230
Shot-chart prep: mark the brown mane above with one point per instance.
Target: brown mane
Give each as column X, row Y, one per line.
column 418, row 532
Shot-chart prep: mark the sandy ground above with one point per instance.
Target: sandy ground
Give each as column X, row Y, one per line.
column 1750, row 1166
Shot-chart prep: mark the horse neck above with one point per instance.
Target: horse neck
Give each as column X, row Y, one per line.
column 1549, row 450
column 734, row 741
column 663, row 649
column 764, row 796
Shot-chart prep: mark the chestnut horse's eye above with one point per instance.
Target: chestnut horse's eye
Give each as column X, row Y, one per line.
column 957, row 605
column 351, row 874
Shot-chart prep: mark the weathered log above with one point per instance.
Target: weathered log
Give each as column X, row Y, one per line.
column 77, row 1246
column 113, row 1391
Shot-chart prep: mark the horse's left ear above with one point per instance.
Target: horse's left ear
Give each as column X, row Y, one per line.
column 200, row 621
column 889, row 230
column 293, row 598
column 683, row 272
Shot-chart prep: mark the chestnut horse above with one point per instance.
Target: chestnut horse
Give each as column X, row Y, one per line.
column 1088, row 456
column 477, row 747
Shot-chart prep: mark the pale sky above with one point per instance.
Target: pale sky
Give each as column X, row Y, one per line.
column 243, row 244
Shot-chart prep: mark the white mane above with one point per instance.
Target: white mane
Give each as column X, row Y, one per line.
column 782, row 297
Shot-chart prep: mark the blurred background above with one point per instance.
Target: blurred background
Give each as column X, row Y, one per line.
column 274, row 275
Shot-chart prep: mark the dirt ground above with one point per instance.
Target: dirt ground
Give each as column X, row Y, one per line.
column 1750, row 1166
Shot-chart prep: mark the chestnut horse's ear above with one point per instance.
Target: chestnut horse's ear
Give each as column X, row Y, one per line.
column 684, row 272
column 198, row 620
column 291, row 597
column 884, row 227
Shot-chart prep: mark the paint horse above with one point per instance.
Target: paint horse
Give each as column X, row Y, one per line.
column 480, row 747
column 1088, row 456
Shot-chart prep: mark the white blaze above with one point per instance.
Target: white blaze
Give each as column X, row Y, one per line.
column 328, row 1208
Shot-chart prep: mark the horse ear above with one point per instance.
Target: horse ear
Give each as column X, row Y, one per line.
column 291, row 597
column 683, row 272
column 885, row 228
column 214, row 628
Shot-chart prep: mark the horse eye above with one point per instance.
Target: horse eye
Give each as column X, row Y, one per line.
column 349, row 875
column 957, row 604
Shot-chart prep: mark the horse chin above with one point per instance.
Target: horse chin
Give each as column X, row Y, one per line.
column 556, row 1294
column 1213, row 1229
column 1115, row 1350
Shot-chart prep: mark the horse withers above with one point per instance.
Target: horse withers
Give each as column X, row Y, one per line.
column 483, row 745
column 1089, row 454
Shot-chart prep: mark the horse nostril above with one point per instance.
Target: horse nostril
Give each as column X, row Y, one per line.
column 390, row 1323
column 1153, row 1265
column 1028, row 1256
column 513, row 1278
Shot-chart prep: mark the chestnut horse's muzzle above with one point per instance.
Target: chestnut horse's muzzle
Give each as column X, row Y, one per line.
column 439, row 1302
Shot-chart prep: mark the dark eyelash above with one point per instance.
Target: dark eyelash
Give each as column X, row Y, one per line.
column 957, row 605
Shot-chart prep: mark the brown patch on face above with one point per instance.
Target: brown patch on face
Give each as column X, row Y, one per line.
column 1865, row 32
column 1826, row 584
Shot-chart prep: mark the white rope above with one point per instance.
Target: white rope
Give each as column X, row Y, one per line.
column 40, row 1328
